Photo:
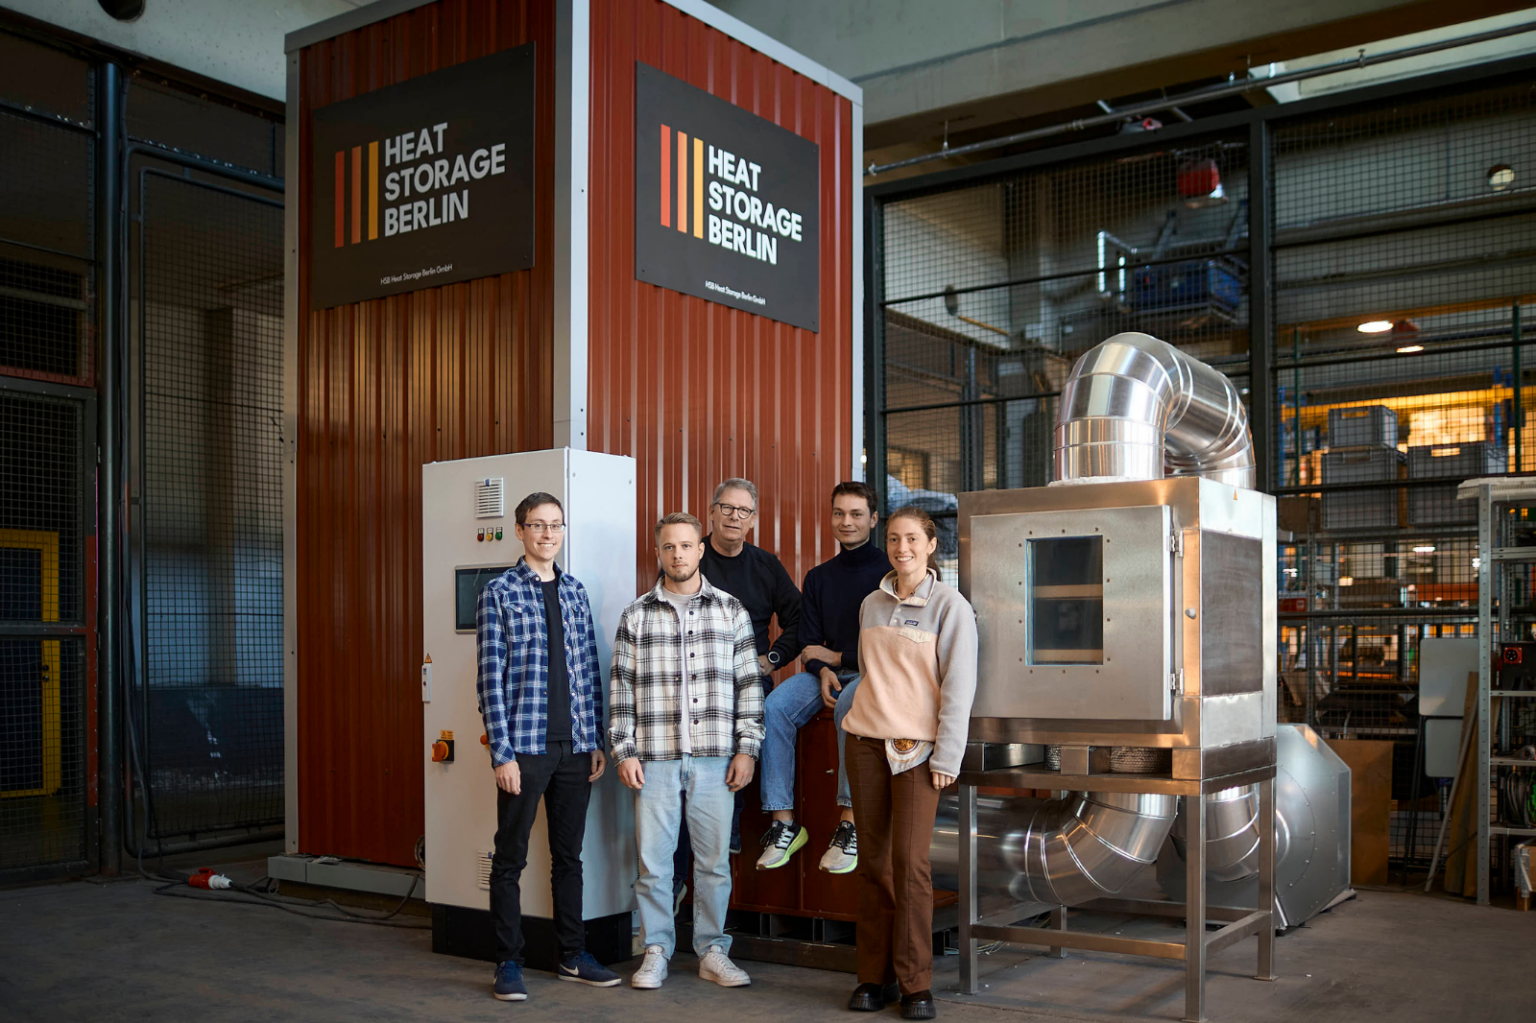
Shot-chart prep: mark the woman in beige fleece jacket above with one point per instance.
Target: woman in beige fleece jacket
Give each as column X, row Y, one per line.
column 906, row 733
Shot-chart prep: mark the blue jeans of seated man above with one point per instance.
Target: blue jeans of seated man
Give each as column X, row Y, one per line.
column 793, row 703
column 659, row 814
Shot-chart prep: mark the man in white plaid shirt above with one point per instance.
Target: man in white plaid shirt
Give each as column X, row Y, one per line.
column 685, row 719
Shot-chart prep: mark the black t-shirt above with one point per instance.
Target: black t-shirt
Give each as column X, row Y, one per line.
column 559, row 706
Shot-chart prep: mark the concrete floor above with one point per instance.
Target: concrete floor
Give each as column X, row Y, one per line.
column 107, row 952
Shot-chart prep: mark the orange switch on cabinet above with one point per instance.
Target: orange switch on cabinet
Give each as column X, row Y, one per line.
column 485, row 740
column 442, row 751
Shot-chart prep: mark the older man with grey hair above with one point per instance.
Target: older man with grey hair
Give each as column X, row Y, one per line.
column 757, row 579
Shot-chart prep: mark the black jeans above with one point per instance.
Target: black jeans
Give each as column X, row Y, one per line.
column 560, row 778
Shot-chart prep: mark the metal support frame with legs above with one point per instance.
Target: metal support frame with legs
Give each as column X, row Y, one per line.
column 1194, row 908
column 1197, row 946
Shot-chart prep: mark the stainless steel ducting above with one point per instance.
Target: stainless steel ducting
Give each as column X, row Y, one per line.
column 1232, row 834
column 1312, row 826
column 1133, row 405
column 1071, row 851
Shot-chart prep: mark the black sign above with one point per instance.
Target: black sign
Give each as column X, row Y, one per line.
column 726, row 203
column 424, row 183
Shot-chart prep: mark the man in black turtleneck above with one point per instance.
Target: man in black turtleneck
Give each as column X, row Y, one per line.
column 829, row 633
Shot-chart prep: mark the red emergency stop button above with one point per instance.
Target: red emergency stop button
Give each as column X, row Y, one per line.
column 442, row 751
column 485, row 740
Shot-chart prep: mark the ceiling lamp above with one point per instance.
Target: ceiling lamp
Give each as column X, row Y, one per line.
column 1375, row 327
column 1425, row 549
column 1410, row 349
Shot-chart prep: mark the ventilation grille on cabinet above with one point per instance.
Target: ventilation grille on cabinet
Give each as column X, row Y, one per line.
column 490, row 499
column 483, row 870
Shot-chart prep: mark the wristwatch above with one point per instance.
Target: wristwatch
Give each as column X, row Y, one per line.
column 773, row 658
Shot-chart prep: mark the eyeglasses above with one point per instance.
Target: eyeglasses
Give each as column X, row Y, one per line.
column 732, row 511
column 544, row 527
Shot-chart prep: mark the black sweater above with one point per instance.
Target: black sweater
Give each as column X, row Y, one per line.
column 834, row 592
column 758, row 580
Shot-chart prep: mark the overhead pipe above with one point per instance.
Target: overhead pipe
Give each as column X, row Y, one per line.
column 1133, row 408
column 1135, row 111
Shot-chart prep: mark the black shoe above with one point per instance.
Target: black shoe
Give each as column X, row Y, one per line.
column 918, row 1005
column 873, row 997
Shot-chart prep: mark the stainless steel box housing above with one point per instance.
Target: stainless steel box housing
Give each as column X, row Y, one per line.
column 1193, row 611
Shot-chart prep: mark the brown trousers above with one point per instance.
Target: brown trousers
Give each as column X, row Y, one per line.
column 895, row 815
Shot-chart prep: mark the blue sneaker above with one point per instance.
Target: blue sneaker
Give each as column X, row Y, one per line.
column 583, row 969
column 509, row 982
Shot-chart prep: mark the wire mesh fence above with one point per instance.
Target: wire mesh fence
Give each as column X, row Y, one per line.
column 47, row 238
column 164, row 115
column 993, row 290
column 209, row 696
column 47, row 295
column 1402, row 276
column 1403, row 266
column 43, row 759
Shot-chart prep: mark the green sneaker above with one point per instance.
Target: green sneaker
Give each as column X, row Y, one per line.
column 780, row 843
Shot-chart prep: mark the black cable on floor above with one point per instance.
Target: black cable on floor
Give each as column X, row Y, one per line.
column 252, row 895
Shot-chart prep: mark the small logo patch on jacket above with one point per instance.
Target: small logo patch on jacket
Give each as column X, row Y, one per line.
column 911, row 622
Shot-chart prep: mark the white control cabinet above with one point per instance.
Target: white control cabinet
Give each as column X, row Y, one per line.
column 466, row 536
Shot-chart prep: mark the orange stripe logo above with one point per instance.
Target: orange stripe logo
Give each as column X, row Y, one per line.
column 677, row 184
column 357, row 194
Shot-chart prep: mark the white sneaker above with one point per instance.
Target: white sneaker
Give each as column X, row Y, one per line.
column 842, row 855
column 717, row 966
column 652, row 971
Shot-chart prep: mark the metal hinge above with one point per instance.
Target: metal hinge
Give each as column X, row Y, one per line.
column 1176, row 682
column 1176, row 542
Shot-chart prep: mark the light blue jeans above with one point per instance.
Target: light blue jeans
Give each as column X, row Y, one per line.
column 792, row 703
column 658, row 816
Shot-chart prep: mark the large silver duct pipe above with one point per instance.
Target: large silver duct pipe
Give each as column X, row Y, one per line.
column 1070, row 851
column 1231, row 834
column 1132, row 406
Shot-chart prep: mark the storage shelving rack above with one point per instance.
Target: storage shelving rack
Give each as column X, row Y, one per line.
column 1502, row 504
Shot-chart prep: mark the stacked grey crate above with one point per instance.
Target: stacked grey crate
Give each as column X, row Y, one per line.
column 1437, row 506
column 1362, row 448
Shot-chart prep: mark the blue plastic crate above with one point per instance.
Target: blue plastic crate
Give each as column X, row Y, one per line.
column 1197, row 283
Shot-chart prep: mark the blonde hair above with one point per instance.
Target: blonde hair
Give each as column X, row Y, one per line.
column 678, row 519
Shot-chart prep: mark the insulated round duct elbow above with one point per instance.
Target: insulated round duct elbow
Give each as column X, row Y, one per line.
column 1055, row 852
column 1231, row 834
column 1091, row 844
column 1135, row 407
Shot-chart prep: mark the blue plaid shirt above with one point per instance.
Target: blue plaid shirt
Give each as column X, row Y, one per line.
column 513, row 682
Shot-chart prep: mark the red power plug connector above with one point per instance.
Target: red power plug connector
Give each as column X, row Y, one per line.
column 206, row 878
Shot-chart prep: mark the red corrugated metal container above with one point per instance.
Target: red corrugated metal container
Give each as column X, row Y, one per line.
column 699, row 392
column 385, row 386
column 696, row 392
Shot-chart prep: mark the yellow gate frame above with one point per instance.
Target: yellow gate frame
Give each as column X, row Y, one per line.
column 52, row 738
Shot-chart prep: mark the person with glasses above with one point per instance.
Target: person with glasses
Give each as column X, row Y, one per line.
column 542, row 701
column 757, row 579
column 829, row 628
